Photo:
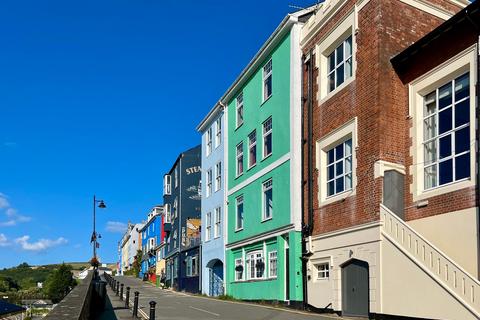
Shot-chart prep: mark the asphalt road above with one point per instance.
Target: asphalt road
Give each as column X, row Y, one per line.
column 178, row 306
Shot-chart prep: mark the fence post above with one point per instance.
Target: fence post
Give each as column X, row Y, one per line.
column 117, row 288
column 121, row 292
column 127, row 297
column 152, row 310
column 135, row 304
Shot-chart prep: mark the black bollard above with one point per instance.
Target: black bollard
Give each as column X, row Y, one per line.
column 127, row 297
column 117, row 288
column 121, row 292
column 152, row 310
column 135, row 304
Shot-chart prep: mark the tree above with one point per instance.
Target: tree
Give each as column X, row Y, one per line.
column 137, row 263
column 59, row 283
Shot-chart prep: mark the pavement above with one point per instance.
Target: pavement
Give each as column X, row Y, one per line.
column 179, row 306
column 114, row 308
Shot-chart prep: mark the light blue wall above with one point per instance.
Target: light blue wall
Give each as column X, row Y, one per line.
column 215, row 247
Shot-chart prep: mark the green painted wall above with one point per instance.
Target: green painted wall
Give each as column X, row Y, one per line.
column 268, row 289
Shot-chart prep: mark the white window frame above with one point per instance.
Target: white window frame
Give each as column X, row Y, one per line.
column 337, row 136
column 168, row 213
column 239, row 159
column 208, row 190
column 265, row 133
column 239, row 109
column 252, row 144
column 218, row 132
column 218, row 176
column 266, row 186
column 208, row 141
column 239, row 200
column 341, row 32
column 347, row 59
column 322, row 270
column 267, row 72
column 176, row 177
column 272, row 257
column 167, row 184
column 346, row 158
column 217, row 223
column 447, row 71
column 208, row 226
column 257, row 255
column 239, row 275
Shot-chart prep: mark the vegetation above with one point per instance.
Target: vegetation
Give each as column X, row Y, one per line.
column 59, row 283
column 137, row 263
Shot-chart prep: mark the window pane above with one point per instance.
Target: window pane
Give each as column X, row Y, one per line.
column 331, row 156
column 348, row 68
column 430, row 103
column 331, row 62
column 446, row 171
column 268, row 87
column 445, row 120
column 339, row 185
column 445, row 146
column 330, row 172
column 339, row 168
column 462, row 112
column 462, row 140
column 340, row 74
column 339, row 52
column 462, row 166
column 331, row 188
column 348, row 147
column 339, row 152
column 331, row 81
column 462, row 87
column 348, row 164
column 430, row 176
column 445, row 96
column 348, row 46
column 268, row 144
column 429, row 127
column 348, row 181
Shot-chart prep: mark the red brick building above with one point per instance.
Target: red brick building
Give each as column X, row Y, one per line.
column 389, row 202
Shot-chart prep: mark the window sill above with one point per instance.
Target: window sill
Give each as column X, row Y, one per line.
column 254, row 280
column 446, row 188
column 338, row 197
column 236, row 177
column 265, row 101
column 266, row 220
column 266, row 157
column 238, row 126
column 251, row 167
column 336, row 90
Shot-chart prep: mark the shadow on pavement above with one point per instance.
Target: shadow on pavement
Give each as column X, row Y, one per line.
column 109, row 311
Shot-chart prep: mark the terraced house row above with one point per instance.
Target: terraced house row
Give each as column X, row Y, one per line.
column 339, row 171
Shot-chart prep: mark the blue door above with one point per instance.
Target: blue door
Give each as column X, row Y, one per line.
column 216, row 279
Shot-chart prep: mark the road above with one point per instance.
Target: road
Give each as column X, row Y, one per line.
column 178, row 306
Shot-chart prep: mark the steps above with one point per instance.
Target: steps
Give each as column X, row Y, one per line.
column 460, row 284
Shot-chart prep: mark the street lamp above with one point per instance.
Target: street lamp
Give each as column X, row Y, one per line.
column 101, row 205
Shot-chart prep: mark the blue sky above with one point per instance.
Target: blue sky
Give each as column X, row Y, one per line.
column 100, row 97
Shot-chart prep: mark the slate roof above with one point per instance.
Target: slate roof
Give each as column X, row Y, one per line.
column 7, row 308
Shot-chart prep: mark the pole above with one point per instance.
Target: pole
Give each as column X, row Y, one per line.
column 121, row 292
column 135, row 304
column 127, row 297
column 152, row 310
column 94, row 232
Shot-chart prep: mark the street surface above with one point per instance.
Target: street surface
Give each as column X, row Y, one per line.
column 178, row 306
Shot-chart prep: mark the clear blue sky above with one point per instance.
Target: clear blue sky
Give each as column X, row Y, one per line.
column 100, row 97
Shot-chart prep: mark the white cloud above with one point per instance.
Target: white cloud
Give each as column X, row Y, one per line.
column 3, row 240
column 116, row 227
column 13, row 217
column 40, row 245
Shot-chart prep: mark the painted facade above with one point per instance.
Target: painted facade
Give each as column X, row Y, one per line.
column 151, row 236
column 212, row 129
column 383, row 209
column 182, row 202
column 263, row 250
column 129, row 245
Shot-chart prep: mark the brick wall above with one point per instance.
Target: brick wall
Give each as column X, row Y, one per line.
column 377, row 97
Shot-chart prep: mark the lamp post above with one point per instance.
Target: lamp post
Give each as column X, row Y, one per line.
column 101, row 205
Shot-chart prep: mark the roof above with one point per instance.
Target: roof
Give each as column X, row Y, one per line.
column 180, row 156
column 8, row 308
column 466, row 22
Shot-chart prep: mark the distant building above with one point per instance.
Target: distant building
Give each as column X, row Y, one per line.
column 129, row 245
column 212, row 129
column 181, row 199
column 150, row 237
column 9, row 311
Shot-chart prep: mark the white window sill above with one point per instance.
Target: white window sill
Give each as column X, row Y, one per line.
column 267, row 219
column 264, row 101
column 337, row 197
column 445, row 188
column 267, row 156
column 238, row 230
column 238, row 126
column 336, row 90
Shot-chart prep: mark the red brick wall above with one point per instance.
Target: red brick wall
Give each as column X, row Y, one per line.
column 377, row 97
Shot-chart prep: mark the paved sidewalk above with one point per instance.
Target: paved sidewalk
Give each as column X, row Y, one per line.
column 178, row 306
column 114, row 308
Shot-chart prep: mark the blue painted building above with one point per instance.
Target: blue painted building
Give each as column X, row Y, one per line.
column 150, row 232
column 182, row 203
column 213, row 200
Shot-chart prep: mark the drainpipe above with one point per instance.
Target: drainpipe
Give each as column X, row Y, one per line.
column 307, row 226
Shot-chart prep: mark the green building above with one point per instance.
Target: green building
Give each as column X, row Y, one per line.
column 264, row 220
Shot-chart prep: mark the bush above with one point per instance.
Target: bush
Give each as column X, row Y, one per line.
column 59, row 283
